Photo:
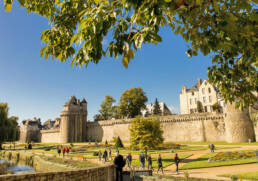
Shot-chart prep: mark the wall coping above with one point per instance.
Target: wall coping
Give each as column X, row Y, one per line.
column 163, row 119
column 55, row 172
column 50, row 131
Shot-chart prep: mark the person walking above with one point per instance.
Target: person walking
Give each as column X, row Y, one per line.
column 177, row 160
column 67, row 151
column 149, row 162
column 63, row 151
column 58, row 150
column 160, row 166
column 110, row 154
column 119, row 163
column 105, row 156
column 99, row 154
column 129, row 160
column 142, row 160
column 212, row 147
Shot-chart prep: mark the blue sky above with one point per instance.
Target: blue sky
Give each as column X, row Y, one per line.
column 35, row 87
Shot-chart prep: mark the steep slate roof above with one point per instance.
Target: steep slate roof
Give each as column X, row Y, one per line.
column 194, row 88
column 84, row 101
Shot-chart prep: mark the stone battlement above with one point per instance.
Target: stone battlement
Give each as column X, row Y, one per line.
column 163, row 119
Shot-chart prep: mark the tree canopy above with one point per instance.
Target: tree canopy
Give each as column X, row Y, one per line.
column 225, row 29
column 131, row 102
column 8, row 125
column 107, row 107
column 145, row 133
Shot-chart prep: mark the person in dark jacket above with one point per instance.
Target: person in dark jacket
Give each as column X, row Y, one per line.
column 129, row 160
column 177, row 160
column 149, row 162
column 110, row 153
column 142, row 160
column 119, row 164
column 105, row 154
column 160, row 167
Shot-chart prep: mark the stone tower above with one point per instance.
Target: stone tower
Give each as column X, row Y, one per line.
column 73, row 121
column 238, row 125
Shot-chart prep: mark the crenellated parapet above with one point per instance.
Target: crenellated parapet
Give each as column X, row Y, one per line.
column 163, row 119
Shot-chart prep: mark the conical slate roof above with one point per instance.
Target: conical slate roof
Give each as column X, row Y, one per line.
column 84, row 101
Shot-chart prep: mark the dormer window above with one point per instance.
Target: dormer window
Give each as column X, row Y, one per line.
column 209, row 90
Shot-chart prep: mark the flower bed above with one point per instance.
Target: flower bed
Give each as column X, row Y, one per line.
column 236, row 155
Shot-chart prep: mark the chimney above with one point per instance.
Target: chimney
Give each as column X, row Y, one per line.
column 199, row 82
column 183, row 89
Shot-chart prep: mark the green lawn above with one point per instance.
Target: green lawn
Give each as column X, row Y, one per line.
column 166, row 161
column 247, row 176
column 217, row 143
column 202, row 162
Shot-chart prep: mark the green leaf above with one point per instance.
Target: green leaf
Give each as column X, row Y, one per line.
column 131, row 54
column 125, row 61
column 22, row 2
column 8, row 5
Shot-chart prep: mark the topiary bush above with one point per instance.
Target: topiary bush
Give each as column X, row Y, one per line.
column 118, row 143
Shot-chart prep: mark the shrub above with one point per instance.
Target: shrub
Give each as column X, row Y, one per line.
column 95, row 153
column 119, row 143
column 234, row 178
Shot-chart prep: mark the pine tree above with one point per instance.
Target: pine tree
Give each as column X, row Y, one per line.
column 119, row 143
column 156, row 110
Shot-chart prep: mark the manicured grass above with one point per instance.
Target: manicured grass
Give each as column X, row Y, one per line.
column 248, row 176
column 202, row 162
column 217, row 143
column 166, row 161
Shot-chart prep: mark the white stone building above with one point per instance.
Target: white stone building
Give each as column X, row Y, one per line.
column 150, row 107
column 202, row 91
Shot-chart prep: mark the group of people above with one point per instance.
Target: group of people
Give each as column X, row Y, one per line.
column 143, row 157
column 63, row 149
column 104, row 157
column 120, row 162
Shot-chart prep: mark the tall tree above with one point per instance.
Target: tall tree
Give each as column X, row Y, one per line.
column 8, row 126
column 156, row 109
column 107, row 108
column 145, row 133
column 131, row 102
column 225, row 29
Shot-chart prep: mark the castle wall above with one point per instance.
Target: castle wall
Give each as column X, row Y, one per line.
column 50, row 136
column 198, row 127
column 256, row 132
column 29, row 133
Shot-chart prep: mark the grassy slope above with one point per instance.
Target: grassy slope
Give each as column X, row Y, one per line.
column 202, row 162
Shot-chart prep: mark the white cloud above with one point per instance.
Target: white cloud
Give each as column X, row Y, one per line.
column 173, row 109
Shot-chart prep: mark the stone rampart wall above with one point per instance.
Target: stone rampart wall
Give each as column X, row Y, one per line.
column 50, row 136
column 195, row 127
column 102, row 173
column 256, row 131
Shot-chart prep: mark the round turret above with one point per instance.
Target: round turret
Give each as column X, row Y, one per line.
column 238, row 125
